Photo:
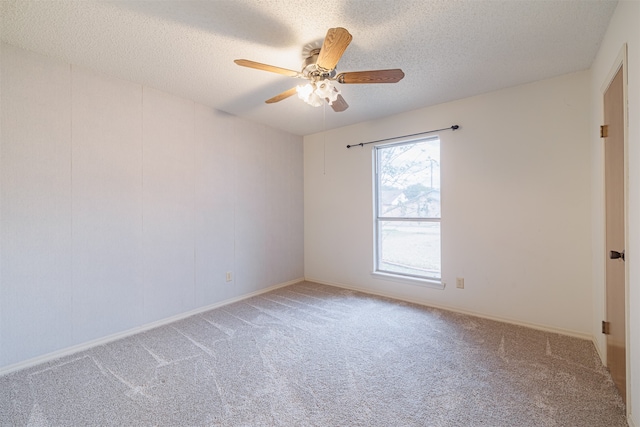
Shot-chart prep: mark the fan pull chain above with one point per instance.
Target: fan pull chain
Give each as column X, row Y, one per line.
column 324, row 139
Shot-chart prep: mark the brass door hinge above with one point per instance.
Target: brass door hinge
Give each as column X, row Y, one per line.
column 606, row 326
column 604, row 131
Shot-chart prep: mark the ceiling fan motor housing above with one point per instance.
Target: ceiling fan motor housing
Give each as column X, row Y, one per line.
column 311, row 71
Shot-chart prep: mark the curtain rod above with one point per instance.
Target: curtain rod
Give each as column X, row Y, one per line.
column 362, row 144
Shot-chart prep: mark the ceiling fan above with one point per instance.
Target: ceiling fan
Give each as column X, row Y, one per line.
column 319, row 67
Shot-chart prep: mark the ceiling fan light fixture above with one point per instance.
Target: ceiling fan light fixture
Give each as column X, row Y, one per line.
column 315, row 92
column 304, row 90
column 308, row 95
column 314, row 100
column 327, row 90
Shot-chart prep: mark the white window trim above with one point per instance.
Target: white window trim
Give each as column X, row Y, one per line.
column 396, row 277
column 426, row 283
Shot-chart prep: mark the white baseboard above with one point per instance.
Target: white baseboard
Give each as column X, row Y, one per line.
column 599, row 351
column 545, row 328
column 631, row 422
column 104, row 340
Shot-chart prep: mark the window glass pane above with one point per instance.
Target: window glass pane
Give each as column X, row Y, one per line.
column 409, row 180
column 409, row 248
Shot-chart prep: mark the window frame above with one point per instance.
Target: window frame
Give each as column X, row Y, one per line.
column 428, row 281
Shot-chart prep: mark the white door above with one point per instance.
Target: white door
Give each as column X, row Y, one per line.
column 615, row 230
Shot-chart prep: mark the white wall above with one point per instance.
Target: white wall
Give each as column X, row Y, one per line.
column 623, row 28
column 516, row 204
column 122, row 205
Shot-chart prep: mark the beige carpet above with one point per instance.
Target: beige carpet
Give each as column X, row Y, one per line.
column 314, row 355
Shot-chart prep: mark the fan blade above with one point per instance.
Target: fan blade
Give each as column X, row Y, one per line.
column 339, row 104
column 265, row 67
column 375, row 76
column 283, row 95
column 334, row 45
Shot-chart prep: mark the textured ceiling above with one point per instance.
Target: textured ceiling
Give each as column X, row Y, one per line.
column 448, row 49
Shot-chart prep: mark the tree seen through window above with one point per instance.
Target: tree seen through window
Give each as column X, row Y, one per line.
column 408, row 208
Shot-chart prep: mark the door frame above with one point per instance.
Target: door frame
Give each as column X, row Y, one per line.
column 620, row 62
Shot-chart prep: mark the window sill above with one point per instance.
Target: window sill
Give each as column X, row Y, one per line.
column 427, row 283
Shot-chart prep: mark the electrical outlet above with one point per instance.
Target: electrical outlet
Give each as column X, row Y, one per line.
column 229, row 276
column 460, row 282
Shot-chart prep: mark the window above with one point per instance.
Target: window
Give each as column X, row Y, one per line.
column 407, row 211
